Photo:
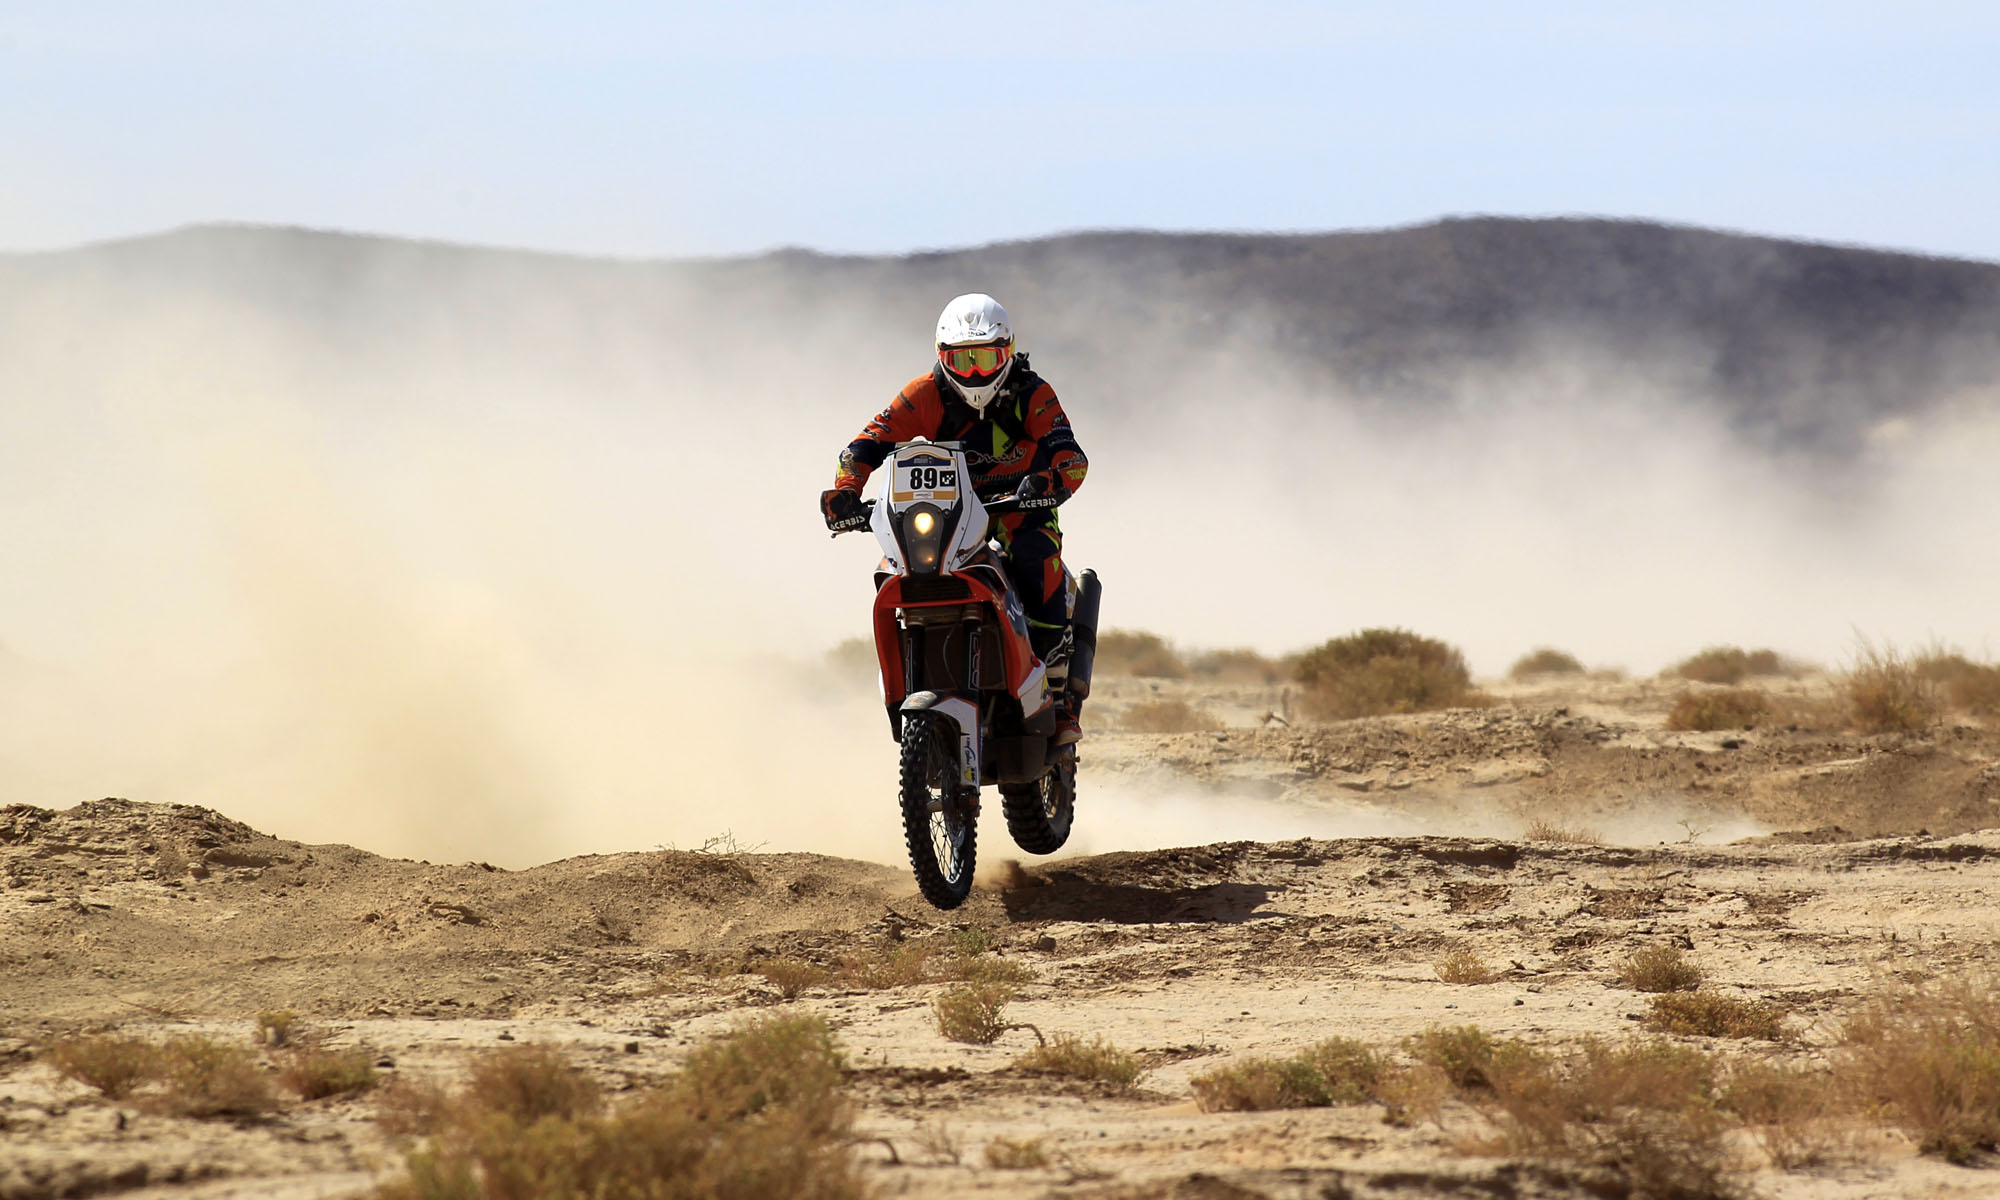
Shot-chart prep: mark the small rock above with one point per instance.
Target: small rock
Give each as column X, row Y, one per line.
column 631, row 1047
column 506, row 1036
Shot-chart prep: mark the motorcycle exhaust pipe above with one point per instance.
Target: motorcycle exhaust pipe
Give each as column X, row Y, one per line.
column 1083, row 635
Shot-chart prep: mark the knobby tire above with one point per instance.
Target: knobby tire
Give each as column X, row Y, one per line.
column 930, row 750
column 1039, row 813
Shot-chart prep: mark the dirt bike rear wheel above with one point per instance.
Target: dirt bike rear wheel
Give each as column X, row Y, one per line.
column 940, row 824
column 1039, row 813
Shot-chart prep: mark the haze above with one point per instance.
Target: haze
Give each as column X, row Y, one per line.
column 468, row 554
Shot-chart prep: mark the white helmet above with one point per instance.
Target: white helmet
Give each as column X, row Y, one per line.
column 975, row 344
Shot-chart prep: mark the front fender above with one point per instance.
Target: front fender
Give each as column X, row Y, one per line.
column 962, row 713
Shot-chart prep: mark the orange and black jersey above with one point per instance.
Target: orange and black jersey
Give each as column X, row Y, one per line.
column 1023, row 431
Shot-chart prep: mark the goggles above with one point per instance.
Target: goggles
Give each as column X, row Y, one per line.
column 974, row 360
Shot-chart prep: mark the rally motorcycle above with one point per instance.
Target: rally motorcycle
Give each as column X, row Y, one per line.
column 967, row 698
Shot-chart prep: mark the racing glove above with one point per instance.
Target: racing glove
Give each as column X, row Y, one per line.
column 842, row 509
column 1038, row 491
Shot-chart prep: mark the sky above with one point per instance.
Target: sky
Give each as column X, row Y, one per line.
column 662, row 129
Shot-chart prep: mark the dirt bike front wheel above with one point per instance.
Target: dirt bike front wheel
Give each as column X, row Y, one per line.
column 940, row 823
column 1039, row 813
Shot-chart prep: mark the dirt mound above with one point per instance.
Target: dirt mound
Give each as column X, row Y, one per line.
column 113, row 905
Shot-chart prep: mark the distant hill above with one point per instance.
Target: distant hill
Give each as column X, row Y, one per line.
column 1805, row 346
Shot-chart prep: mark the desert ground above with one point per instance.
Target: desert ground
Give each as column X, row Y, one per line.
column 1547, row 837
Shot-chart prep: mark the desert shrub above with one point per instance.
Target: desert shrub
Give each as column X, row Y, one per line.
column 1463, row 966
column 1335, row 1071
column 1931, row 1055
column 1240, row 665
column 1729, row 708
column 1071, row 1057
column 1709, row 1014
column 203, row 1077
column 314, row 1072
column 971, row 1012
column 756, row 1113
column 410, row 1107
column 1380, row 671
column 1641, row 1117
column 1887, row 694
column 880, row 967
column 1789, row 1110
column 1544, row 661
column 1962, row 684
column 275, row 1026
column 1167, row 716
column 1729, row 665
column 1659, row 969
column 527, row 1083
column 938, row 1142
column 1469, row 1058
column 790, row 975
column 1127, row 652
column 1012, row 1154
column 1540, row 830
column 112, row 1065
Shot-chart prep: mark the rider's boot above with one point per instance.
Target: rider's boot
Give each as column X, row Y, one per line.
column 1052, row 646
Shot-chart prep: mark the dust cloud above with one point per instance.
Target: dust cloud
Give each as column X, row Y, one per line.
column 436, row 592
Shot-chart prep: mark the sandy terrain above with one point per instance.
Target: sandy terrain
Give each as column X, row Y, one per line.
column 1801, row 868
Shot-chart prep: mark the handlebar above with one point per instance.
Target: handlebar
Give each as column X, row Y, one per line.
column 1006, row 504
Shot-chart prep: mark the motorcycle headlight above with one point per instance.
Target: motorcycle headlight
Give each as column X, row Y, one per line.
column 923, row 538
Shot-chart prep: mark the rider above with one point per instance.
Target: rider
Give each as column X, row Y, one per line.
column 983, row 394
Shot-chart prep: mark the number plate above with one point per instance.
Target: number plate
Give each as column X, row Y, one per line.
column 925, row 477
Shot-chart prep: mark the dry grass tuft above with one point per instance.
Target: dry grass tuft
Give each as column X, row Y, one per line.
column 1931, row 1055
column 1791, row 1111
column 939, row 1143
column 1379, row 671
column 1167, row 716
column 275, row 1026
column 410, row 1107
column 756, row 1114
column 203, row 1077
column 1729, row 665
column 1549, row 831
column 113, row 1065
column 1640, row 1117
column 1729, row 708
column 972, row 1012
column 1887, row 694
column 1010, row 1154
column 314, row 1072
column 1237, row 666
column 1659, row 969
column 1469, row 1058
column 1335, row 1071
column 790, row 976
column 1707, row 1014
column 1463, row 966
column 1544, row 661
column 1070, row 1057
column 878, row 968
column 1127, row 652
column 527, row 1083
column 1963, row 685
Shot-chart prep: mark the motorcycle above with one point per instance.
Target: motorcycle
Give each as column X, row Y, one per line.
column 968, row 700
